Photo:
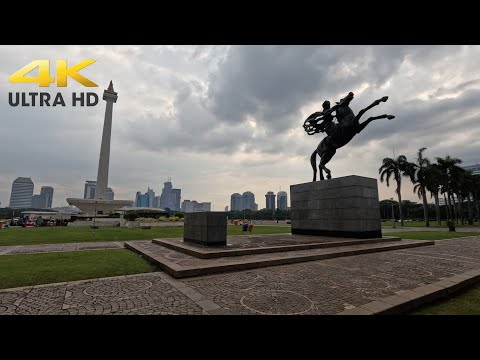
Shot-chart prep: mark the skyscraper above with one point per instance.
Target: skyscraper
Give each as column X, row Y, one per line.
column 89, row 191
column 475, row 169
column 248, row 201
column 47, row 191
column 282, row 202
column 110, row 194
column 170, row 198
column 39, row 202
column 194, row 206
column 141, row 200
column 151, row 197
column 176, row 197
column 22, row 192
column 270, row 200
column 236, row 202
column 156, row 202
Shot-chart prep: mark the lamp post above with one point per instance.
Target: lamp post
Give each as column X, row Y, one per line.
column 95, row 214
column 393, row 213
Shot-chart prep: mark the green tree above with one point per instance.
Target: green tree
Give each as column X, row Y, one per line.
column 450, row 175
column 467, row 189
column 433, row 185
column 395, row 168
column 419, row 176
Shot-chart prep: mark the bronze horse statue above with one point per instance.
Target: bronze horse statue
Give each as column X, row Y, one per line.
column 339, row 134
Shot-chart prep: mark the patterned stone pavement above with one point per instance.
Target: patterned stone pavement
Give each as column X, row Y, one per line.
column 34, row 249
column 317, row 287
column 264, row 240
column 188, row 261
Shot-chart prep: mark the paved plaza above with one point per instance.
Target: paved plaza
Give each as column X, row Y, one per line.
column 328, row 286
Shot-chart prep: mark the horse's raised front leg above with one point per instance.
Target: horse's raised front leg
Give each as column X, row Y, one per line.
column 375, row 103
column 370, row 119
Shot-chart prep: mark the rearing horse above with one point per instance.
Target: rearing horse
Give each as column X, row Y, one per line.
column 348, row 126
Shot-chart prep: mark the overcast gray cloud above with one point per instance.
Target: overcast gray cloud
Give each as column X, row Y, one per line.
column 224, row 119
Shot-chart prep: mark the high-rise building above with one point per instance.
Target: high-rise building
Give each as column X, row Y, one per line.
column 226, row 208
column 475, row 169
column 89, row 191
column 248, row 201
column 282, row 202
column 236, row 202
column 151, row 197
column 170, row 198
column 47, row 191
column 39, row 201
column 22, row 192
column 176, row 198
column 110, row 194
column 141, row 200
column 194, row 206
column 270, row 200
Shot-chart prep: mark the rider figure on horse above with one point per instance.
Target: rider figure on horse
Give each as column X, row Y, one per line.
column 327, row 125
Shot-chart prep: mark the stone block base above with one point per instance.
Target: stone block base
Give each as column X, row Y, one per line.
column 340, row 207
column 206, row 228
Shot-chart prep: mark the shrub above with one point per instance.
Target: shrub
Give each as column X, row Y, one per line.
column 132, row 216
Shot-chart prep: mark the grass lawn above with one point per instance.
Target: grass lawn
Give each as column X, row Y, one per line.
column 65, row 234
column 433, row 223
column 35, row 269
column 465, row 303
column 431, row 235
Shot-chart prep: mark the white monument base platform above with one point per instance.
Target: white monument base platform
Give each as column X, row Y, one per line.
column 101, row 207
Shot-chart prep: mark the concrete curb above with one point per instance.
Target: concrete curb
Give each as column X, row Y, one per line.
column 408, row 300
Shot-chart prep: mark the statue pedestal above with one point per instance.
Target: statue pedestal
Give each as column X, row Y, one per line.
column 206, row 228
column 341, row 207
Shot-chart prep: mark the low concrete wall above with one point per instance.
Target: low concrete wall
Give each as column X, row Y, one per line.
column 138, row 224
column 98, row 222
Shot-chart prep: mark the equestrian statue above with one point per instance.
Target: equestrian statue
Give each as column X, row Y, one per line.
column 338, row 134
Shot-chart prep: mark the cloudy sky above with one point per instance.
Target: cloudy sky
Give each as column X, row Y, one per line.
column 225, row 119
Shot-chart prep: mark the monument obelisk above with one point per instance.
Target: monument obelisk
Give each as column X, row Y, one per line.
column 100, row 205
column 110, row 96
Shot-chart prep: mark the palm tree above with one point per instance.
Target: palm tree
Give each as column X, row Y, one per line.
column 396, row 168
column 434, row 182
column 467, row 189
column 450, row 170
column 476, row 193
column 418, row 175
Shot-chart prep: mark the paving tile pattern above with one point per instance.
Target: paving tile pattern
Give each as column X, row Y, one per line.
column 317, row 287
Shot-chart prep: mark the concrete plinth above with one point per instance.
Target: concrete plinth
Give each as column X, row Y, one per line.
column 340, row 207
column 206, row 228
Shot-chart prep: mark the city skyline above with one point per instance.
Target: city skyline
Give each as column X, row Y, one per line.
column 222, row 118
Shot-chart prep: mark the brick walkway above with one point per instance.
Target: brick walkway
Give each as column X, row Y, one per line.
column 317, row 287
